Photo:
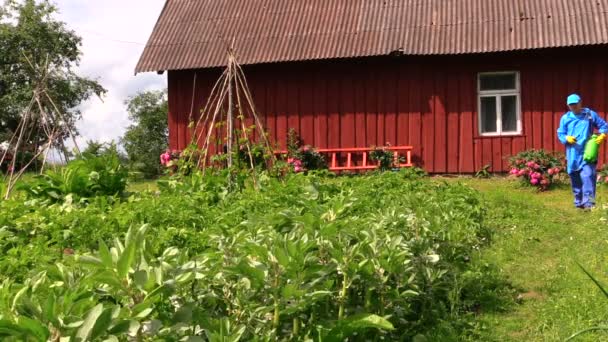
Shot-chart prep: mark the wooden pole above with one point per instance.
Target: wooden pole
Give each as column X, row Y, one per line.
column 230, row 109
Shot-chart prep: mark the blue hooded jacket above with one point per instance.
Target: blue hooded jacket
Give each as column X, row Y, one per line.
column 581, row 127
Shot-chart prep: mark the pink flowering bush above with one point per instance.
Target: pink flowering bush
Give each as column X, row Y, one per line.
column 303, row 158
column 169, row 160
column 537, row 168
column 181, row 162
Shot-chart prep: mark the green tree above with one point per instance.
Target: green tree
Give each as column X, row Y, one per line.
column 39, row 54
column 148, row 136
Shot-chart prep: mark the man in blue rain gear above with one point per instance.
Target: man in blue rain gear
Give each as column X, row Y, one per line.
column 575, row 129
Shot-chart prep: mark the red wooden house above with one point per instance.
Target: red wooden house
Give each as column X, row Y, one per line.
column 465, row 82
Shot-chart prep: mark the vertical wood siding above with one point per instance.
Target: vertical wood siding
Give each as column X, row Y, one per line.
column 427, row 102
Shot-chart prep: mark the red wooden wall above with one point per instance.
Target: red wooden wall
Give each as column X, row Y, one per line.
column 427, row 102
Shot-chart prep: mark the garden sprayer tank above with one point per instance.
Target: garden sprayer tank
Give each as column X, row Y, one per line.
column 591, row 150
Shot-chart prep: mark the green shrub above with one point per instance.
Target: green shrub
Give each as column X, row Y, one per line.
column 384, row 157
column 86, row 177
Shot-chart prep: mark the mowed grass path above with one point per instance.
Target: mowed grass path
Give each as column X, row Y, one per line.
column 538, row 239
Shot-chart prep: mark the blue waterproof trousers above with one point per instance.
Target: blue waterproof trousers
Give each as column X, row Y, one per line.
column 584, row 182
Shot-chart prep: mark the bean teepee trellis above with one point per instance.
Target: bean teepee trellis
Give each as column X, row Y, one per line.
column 229, row 106
column 41, row 114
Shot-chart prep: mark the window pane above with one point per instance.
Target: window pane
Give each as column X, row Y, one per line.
column 509, row 113
column 497, row 82
column 488, row 114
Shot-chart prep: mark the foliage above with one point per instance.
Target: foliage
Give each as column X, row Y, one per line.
column 484, row 172
column 537, row 167
column 305, row 257
column 384, row 157
column 29, row 33
column 94, row 148
column 303, row 158
column 148, row 136
column 413, row 173
column 86, row 177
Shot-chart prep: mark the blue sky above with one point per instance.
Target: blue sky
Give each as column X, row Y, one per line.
column 114, row 34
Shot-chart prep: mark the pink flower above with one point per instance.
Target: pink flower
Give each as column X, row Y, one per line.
column 305, row 148
column 534, row 181
column 530, row 164
column 544, row 182
column 290, row 160
column 514, row 171
column 297, row 169
column 165, row 158
column 521, row 172
column 606, row 179
column 556, row 170
column 535, row 175
column 551, row 171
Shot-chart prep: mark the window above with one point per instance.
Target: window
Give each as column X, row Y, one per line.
column 499, row 108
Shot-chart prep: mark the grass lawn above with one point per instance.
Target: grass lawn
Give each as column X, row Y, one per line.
column 538, row 237
column 146, row 185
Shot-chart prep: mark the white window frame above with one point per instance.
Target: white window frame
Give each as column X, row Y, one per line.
column 497, row 94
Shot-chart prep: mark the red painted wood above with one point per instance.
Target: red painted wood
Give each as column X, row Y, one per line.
column 403, row 115
column 306, row 103
column 547, row 128
column 560, row 91
column 333, row 112
column 536, row 109
column 466, row 85
column 390, row 89
column 271, row 105
column 381, row 106
column 505, row 152
column 526, row 79
column 321, row 105
column 440, row 135
column 453, row 123
column 428, row 123
column 360, row 124
column 172, row 80
column 427, row 102
column 293, row 112
column 414, row 109
column 347, row 117
column 486, row 153
column 371, row 108
column 599, row 103
column 496, row 155
column 282, row 112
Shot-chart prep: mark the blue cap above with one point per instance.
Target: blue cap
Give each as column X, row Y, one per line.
column 573, row 99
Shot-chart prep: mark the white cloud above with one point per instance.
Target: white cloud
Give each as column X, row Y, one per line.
column 114, row 33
